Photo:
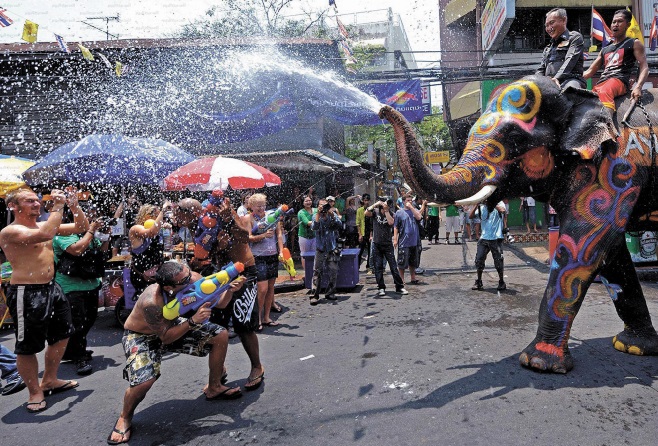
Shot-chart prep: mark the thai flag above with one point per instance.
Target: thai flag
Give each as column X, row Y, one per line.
column 5, row 21
column 600, row 30
column 62, row 44
column 653, row 34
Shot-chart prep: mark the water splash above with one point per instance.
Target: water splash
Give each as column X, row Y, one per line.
column 176, row 96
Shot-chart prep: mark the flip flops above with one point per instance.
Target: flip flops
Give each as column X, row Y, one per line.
column 253, row 384
column 270, row 324
column 123, row 435
column 225, row 395
column 41, row 406
column 68, row 385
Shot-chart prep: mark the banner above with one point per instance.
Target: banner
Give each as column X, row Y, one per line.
column 353, row 108
column 274, row 114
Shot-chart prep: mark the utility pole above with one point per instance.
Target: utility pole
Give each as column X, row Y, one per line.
column 107, row 20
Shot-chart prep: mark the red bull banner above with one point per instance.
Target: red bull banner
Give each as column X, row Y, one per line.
column 404, row 96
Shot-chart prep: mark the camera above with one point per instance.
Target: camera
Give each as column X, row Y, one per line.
column 388, row 200
column 324, row 209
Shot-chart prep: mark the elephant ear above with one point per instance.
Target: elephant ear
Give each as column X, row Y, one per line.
column 589, row 125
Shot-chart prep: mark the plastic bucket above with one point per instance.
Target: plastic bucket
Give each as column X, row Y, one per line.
column 553, row 235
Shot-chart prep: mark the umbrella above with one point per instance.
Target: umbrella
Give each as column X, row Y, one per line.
column 218, row 172
column 11, row 169
column 109, row 159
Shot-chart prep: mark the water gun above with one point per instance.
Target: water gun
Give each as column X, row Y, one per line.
column 272, row 218
column 288, row 264
column 208, row 226
column 206, row 289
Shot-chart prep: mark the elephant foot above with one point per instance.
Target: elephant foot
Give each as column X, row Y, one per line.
column 546, row 357
column 635, row 343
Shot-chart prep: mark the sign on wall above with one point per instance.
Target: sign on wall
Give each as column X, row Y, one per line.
column 497, row 17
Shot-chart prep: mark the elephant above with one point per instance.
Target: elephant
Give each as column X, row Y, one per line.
column 563, row 147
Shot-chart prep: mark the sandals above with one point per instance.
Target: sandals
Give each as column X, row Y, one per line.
column 225, row 395
column 41, row 406
column 68, row 385
column 123, row 435
column 254, row 383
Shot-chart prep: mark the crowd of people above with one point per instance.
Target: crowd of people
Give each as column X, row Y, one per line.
column 57, row 249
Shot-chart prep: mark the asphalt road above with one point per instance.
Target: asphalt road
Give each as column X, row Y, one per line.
column 439, row 366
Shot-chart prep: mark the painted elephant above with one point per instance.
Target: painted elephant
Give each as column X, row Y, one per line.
column 564, row 148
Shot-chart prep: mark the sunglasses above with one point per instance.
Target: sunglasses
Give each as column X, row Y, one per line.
column 185, row 281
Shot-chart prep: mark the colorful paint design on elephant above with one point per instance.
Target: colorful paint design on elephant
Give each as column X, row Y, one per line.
column 517, row 105
column 601, row 207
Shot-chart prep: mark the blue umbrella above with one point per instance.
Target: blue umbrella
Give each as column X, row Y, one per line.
column 109, row 159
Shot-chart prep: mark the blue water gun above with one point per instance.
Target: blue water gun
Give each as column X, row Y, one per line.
column 206, row 289
column 208, row 226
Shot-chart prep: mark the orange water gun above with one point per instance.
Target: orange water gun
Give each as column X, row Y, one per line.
column 288, row 264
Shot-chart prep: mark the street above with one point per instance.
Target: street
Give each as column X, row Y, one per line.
column 439, row 366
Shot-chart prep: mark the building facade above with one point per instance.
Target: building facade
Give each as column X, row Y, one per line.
column 516, row 52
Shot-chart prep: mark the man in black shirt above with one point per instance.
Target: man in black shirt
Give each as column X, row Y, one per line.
column 382, row 245
column 563, row 57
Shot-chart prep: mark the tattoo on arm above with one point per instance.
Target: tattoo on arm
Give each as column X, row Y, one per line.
column 154, row 317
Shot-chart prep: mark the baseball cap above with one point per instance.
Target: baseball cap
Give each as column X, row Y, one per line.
column 331, row 198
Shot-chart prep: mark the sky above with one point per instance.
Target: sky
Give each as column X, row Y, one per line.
column 161, row 18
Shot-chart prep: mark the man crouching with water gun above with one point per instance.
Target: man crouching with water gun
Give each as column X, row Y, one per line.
column 149, row 334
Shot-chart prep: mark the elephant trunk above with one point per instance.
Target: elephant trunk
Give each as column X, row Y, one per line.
column 448, row 188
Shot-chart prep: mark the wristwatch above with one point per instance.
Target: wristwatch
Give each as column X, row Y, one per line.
column 191, row 323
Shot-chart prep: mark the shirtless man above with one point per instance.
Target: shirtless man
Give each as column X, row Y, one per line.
column 148, row 335
column 35, row 301
column 232, row 244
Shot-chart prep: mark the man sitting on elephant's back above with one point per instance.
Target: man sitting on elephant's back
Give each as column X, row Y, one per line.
column 619, row 60
column 563, row 57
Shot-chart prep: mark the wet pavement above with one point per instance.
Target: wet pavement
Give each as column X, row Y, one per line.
column 439, row 366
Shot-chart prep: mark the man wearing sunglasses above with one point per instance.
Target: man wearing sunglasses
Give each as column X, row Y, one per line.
column 148, row 335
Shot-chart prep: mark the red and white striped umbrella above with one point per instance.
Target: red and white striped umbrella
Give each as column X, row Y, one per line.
column 218, row 172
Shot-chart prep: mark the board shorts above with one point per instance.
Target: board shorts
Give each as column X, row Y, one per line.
column 408, row 257
column 41, row 314
column 267, row 267
column 242, row 311
column 144, row 352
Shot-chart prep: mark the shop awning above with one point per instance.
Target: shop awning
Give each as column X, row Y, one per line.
column 305, row 160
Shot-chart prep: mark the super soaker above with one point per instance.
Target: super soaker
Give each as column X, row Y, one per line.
column 288, row 263
column 208, row 226
column 271, row 219
column 206, row 289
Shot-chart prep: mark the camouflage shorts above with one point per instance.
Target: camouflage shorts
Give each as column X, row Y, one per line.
column 144, row 352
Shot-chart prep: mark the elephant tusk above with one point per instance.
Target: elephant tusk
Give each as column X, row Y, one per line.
column 482, row 195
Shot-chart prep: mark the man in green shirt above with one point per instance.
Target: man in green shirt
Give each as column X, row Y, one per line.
column 452, row 222
column 433, row 222
column 82, row 294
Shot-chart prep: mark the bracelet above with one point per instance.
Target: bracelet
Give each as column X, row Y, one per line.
column 89, row 232
column 191, row 323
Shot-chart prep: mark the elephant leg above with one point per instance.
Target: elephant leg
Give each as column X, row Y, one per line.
column 618, row 274
column 568, row 283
